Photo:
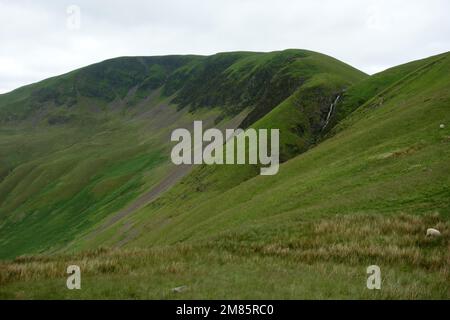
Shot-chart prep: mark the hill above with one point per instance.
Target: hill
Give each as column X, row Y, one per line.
column 86, row 148
column 357, row 189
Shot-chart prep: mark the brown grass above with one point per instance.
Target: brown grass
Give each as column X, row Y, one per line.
column 399, row 239
column 359, row 239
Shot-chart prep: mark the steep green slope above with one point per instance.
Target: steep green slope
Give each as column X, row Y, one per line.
column 99, row 84
column 79, row 175
column 232, row 80
column 375, row 85
column 392, row 158
column 78, row 150
column 364, row 196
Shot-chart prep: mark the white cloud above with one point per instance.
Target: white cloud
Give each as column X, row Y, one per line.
column 370, row 35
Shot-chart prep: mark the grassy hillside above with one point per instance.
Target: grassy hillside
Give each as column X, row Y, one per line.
column 364, row 196
column 78, row 150
column 391, row 158
column 62, row 180
column 377, row 85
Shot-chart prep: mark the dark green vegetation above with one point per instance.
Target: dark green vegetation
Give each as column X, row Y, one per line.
column 364, row 195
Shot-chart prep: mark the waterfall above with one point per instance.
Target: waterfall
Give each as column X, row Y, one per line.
column 330, row 112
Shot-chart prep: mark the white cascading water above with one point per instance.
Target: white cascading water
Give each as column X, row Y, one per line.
column 330, row 111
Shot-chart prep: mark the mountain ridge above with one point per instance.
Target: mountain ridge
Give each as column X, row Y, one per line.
column 75, row 131
column 361, row 192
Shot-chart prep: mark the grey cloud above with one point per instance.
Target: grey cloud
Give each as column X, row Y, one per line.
column 370, row 35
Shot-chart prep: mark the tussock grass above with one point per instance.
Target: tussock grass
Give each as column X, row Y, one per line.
column 353, row 239
column 97, row 261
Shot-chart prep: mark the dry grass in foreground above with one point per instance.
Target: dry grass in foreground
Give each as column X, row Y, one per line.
column 393, row 242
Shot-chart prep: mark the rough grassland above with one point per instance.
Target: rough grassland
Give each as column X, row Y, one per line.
column 324, row 259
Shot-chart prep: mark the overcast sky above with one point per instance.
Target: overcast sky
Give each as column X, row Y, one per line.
column 39, row 39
